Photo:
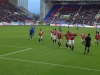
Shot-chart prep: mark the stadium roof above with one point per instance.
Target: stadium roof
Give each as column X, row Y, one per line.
column 72, row 0
column 81, row 2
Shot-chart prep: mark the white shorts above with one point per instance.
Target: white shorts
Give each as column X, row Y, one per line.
column 59, row 40
column 40, row 37
column 54, row 37
column 68, row 42
column 96, row 40
column 72, row 42
column 82, row 40
column 51, row 35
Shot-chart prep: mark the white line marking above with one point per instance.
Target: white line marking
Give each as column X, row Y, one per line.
column 89, row 69
column 16, row 52
column 13, row 46
column 14, row 35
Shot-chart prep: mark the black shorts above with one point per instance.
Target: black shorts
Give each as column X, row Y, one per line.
column 87, row 45
column 30, row 33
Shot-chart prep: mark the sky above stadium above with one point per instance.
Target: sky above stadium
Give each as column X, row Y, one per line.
column 34, row 6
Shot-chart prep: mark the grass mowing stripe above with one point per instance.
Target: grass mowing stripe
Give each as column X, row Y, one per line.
column 89, row 69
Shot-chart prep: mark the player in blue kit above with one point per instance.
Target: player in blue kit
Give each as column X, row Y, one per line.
column 31, row 32
column 59, row 27
column 77, row 27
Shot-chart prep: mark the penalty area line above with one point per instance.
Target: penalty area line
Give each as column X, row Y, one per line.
column 59, row 65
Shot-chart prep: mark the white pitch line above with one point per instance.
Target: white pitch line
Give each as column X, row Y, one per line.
column 14, row 35
column 16, row 52
column 59, row 65
column 12, row 46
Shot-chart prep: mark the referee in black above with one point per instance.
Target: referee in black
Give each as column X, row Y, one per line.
column 87, row 43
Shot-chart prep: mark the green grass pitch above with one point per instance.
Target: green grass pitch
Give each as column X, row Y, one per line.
column 20, row 55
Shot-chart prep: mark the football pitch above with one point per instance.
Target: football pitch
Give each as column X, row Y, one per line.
column 20, row 55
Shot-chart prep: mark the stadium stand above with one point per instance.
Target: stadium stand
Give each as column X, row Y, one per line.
column 11, row 13
column 75, row 14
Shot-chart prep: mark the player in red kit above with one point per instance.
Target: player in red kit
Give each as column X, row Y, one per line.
column 40, row 35
column 72, row 35
column 83, row 38
column 68, row 41
column 99, row 36
column 54, row 35
column 59, row 37
column 97, row 39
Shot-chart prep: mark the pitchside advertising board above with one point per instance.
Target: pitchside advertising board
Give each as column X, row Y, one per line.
column 18, row 23
column 75, row 25
column 31, row 23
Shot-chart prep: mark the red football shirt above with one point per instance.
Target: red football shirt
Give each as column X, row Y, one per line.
column 73, row 36
column 40, row 33
column 59, row 35
column 83, row 35
column 67, row 35
column 97, row 36
column 54, row 32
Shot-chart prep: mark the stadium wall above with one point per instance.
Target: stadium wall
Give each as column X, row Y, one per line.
column 45, row 7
